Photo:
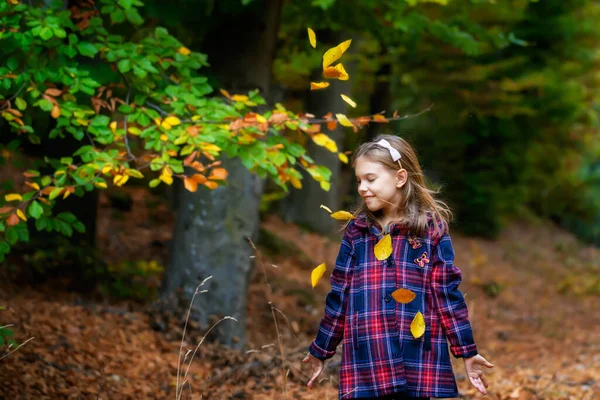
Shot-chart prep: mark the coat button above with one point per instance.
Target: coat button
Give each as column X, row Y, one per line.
column 387, row 298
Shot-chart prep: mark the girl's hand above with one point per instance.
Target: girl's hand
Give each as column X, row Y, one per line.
column 474, row 367
column 317, row 367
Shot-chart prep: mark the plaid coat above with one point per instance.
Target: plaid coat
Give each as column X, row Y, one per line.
column 380, row 356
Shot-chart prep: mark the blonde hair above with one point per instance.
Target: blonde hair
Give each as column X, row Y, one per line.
column 418, row 203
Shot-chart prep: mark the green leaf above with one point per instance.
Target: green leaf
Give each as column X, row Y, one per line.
column 54, row 193
column 35, row 209
column 11, row 235
column 126, row 4
column 133, row 16
column 46, row 33
column 117, row 16
column 87, row 49
column 21, row 104
column 124, row 65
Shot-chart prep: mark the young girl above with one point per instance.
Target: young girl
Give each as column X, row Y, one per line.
column 382, row 357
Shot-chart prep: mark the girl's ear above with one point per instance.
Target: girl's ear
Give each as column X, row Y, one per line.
column 401, row 178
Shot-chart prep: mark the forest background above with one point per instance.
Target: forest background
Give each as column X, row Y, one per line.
column 207, row 106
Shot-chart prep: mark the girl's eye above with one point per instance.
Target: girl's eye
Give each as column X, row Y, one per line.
column 370, row 179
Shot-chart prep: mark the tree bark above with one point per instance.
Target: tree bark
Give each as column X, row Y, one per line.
column 213, row 227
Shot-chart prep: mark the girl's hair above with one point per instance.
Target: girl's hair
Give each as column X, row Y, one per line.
column 418, row 202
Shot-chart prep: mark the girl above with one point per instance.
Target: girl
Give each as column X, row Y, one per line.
column 383, row 357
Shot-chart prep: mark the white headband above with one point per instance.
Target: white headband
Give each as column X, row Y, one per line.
column 393, row 152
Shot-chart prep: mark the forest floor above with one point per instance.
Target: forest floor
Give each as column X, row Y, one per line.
column 533, row 295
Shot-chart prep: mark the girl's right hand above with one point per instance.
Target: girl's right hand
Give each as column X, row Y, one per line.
column 317, row 367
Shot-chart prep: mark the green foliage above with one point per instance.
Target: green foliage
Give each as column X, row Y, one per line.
column 139, row 106
column 138, row 280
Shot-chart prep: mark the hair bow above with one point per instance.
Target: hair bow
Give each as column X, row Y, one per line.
column 393, row 152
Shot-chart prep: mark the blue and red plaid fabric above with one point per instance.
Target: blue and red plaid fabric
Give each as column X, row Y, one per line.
column 380, row 356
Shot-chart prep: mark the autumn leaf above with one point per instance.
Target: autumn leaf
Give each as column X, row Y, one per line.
column 295, row 182
column 211, row 184
column 404, row 296
column 343, row 158
column 239, row 97
column 21, row 215
column 13, row 196
column 326, row 208
column 5, row 210
column 344, row 120
column 334, row 54
column 166, row 176
column 417, row 326
column 342, row 216
column 12, row 220
column 33, row 185
column 325, row 141
column 348, row 100
column 53, row 92
column 318, row 85
column 380, row 118
column 218, row 174
column 316, row 274
column 55, row 113
column 190, row 184
column 184, row 51
column 312, row 38
column 225, row 93
column 336, row 72
column 383, row 248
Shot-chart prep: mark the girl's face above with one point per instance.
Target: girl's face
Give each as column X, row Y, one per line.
column 379, row 186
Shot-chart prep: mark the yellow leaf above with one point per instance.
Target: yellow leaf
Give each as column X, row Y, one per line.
column 343, row 158
column 325, row 141
column 67, row 193
column 261, row 119
column 13, row 196
column 173, row 121
column 196, row 117
column 295, row 182
column 383, row 248
column 101, row 185
column 318, row 85
column 325, row 185
column 33, row 185
column 335, row 53
column 316, row 274
column 326, row 208
column 239, row 97
column 106, row 169
column 113, row 126
column 184, row 50
column 166, row 176
column 14, row 2
column 342, row 216
column 211, row 147
column 134, row 130
column 348, row 100
column 404, row 296
column 120, row 180
column 157, row 121
column 21, row 215
column 164, row 137
column 342, row 119
column 166, row 125
column 417, row 326
column 312, row 38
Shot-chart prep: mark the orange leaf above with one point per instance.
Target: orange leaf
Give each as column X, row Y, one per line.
column 380, row 118
column 55, row 113
column 211, row 184
column 363, row 120
column 342, row 216
column 190, row 184
column 53, row 92
column 12, row 220
column 225, row 93
column 331, row 125
column 318, row 85
column 198, row 178
column 218, row 174
column 404, row 296
column 4, row 210
column 336, row 72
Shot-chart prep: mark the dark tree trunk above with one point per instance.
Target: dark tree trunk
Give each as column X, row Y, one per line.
column 213, row 227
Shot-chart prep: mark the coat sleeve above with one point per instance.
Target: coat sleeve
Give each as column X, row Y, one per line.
column 331, row 329
column 449, row 301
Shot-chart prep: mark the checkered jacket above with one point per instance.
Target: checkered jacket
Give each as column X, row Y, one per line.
column 380, row 356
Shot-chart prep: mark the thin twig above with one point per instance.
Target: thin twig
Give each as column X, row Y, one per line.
column 17, row 348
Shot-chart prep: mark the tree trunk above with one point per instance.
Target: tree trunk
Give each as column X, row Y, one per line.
column 213, row 227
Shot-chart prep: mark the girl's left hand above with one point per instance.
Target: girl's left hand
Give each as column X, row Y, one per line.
column 474, row 367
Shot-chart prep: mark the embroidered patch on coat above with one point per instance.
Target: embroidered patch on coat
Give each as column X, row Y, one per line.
column 414, row 242
column 421, row 261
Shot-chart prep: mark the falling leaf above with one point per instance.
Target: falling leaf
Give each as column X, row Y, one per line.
column 12, row 197
column 55, row 113
column 312, row 38
column 383, row 248
column 334, row 54
column 343, row 120
column 184, row 50
column 325, row 141
column 326, row 208
column 417, row 326
column 342, row 216
column 343, row 158
column 318, row 85
column 404, row 296
column 316, row 274
column 348, row 100
column 336, row 72
column 21, row 215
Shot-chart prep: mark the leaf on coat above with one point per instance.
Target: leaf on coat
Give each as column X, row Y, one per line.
column 342, row 216
column 383, row 248
column 404, row 296
column 334, row 54
column 312, row 37
column 316, row 274
column 417, row 326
